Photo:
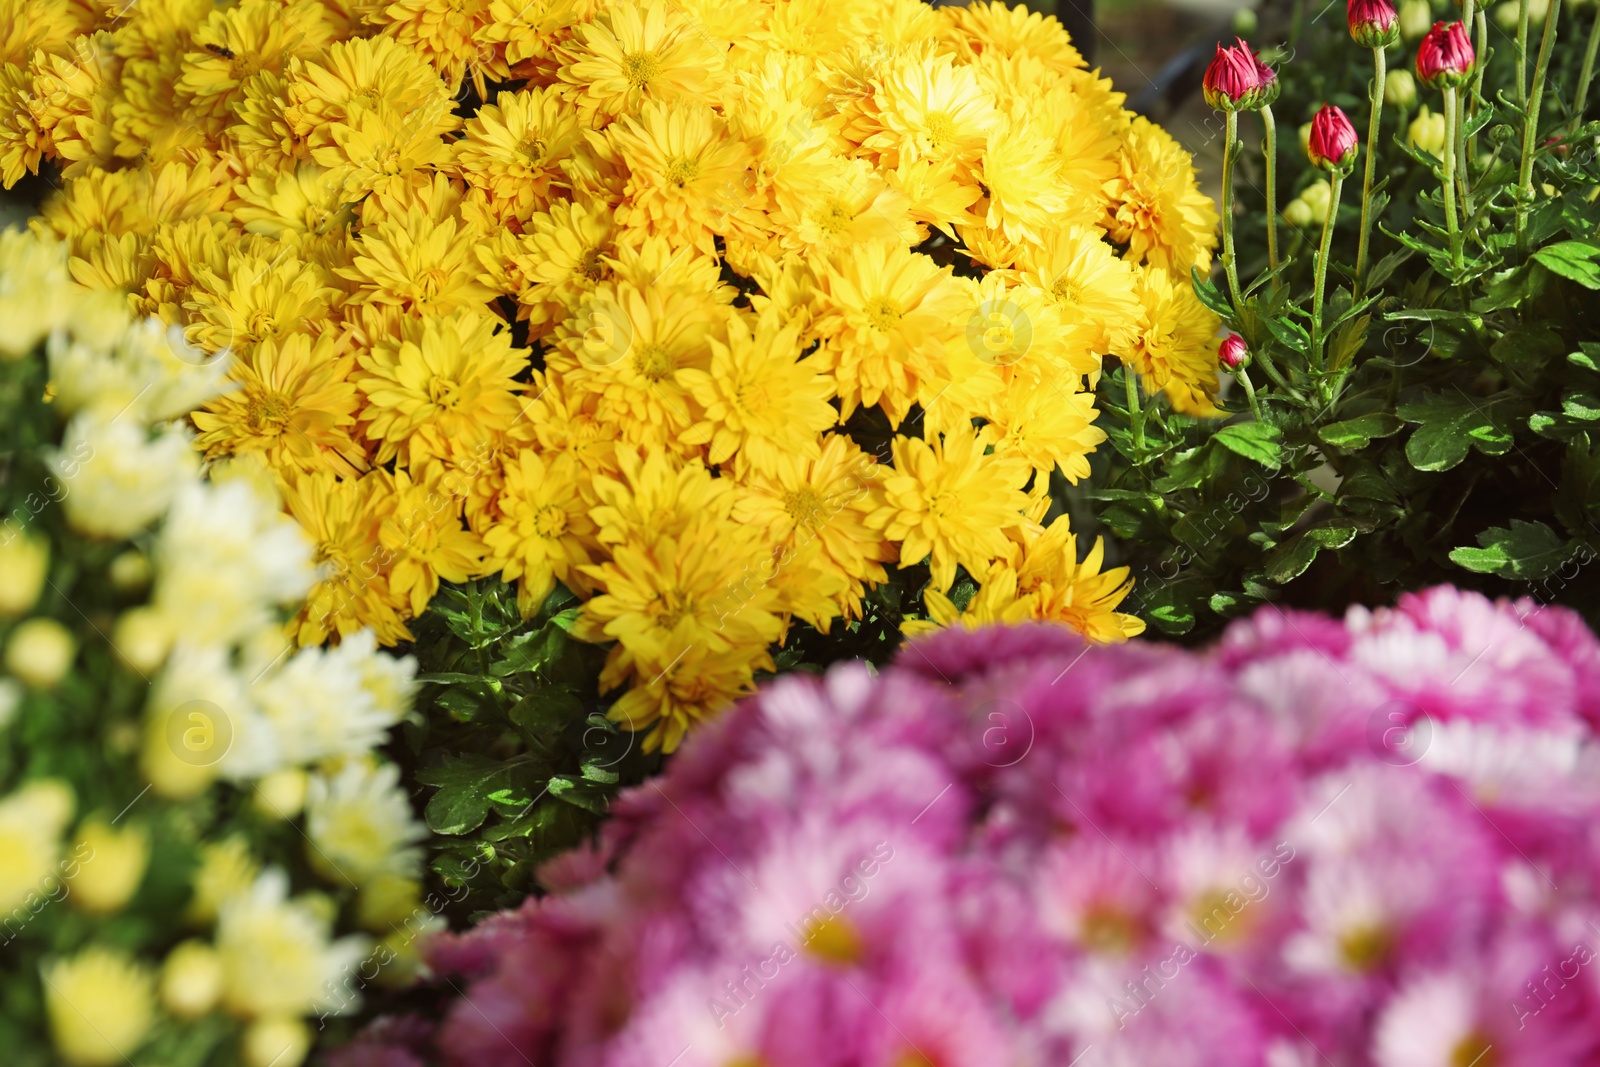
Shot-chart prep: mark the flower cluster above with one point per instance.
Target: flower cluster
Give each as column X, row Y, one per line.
column 170, row 766
column 619, row 313
column 1316, row 842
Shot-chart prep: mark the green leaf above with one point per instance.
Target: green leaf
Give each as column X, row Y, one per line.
column 1291, row 335
column 1291, row 558
column 1347, row 341
column 1581, row 406
column 1574, row 260
column 1210, row 295
column 465, row 785
column 1452, row 424
column 591, row 796
column 1528, row 550
column 1386, row 266
column 1253, row 440
column 1352, row 435
column 546, row 712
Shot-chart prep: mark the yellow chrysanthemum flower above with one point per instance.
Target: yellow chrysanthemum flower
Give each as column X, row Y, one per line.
column 761, row 402
column 426, row 537
column 421, row 266
column 1078, row 594
column 544, row 533
column 443, row 34
column 887, row 314
column 1157, row 209
column 996, row 603
column 689, row 177
column 442, row 387
column 1174, row 348
column 101, row 1005
column 637, row 50
column 344, row 518
column 294, row 406
column 513, row 149
column 951, row 504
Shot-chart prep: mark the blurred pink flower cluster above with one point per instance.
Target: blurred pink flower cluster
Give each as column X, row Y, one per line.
column 1318, row 842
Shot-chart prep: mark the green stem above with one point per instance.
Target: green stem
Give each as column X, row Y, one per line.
column 1522, row 53
column 1477, row 77
column 1587, row 73
column 1228, row 264
column 1451, row 128
column 1530, row 130
column 1337, row 181
column 1130, row 378
column 1249, row 392
column 1271, row 151
column 1373, row 124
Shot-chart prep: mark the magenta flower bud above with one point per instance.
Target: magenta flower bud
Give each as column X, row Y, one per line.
column 1333, row 140
column 1270, row 86
column 1445, row 57
column 1233, row 79
column 1373, row 23
column 1232, row 353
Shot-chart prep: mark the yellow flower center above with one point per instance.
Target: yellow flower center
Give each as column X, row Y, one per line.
column 1110, row 930
column 433, row 282
column 833, row 218
column 681, row 171
column 550, row 521
column 532, row 146
column 591, row 265
column 653, row 363
column 941, row 128
column 673, row 607
column 641, row 68
column 262, row 325
column 754, row 399
column 834, row 939
column 806, row 506
column 1474, row 1051
column 444, row 392
column 1366, row 947
column 267, row 413
column 944, row 503
column 1067, row 291
column 883, row 313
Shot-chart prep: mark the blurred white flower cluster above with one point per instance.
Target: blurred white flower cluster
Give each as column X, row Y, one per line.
column 127, row 569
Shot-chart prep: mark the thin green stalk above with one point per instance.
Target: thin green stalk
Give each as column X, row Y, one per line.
column 1337, row 181
column 1530, row 130
column 1587, row 73
column 1249, row 392
column 1522, row 53
column 1452, row 127
column 1130, row 378
column 1228, row 264
column 1373, row 124
column 1270, row 149
column 1477, row 76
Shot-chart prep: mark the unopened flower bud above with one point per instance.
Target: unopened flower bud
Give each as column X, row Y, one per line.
column 1373, row 23
column 1232, row 353
column 1333, row 142
column 281, row 794
column 1427, row 132
column 191, row 980
column 24, row 559
column 1298, row 214
column 1445, row 57
column 1415, row 18
column 1232, row 81
column 275, row 1042
column 40, row 652
column 1317, row 195
column 1400, row 89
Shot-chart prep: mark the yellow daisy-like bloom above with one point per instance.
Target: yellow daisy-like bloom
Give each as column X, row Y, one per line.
column 826, row 500
column 951, row 504
column 240, row 41
column 996, row 603
column 928, row 108
column 761, row 401
column 305, row 207
column 294, row 406
column 545, row 533
column 568, row 257
column 442, row 386
column 1093, row 287
column 386, row 152
column 692, row 686
column 886, row 315
column 638, row 50
column 654, row 494
column 1080, row 595
column 1044, row 423
column 261, row 297
column 513, row 150
column 1157, row 209
column 444, row 34
column 689, row 177
column 344, row 518
column 628, row 346
column 425, row 535
column 987, row 28
column 364, row 76
column 1174, row 347
column 419, row 266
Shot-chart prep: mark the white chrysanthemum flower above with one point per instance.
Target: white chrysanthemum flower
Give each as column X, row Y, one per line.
column 202, row 723
column 360, row 823
column 224, row 559
column 390, row 680
column 318, row 706
column 277, row 959
column 151, row 373
column 115, row 477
